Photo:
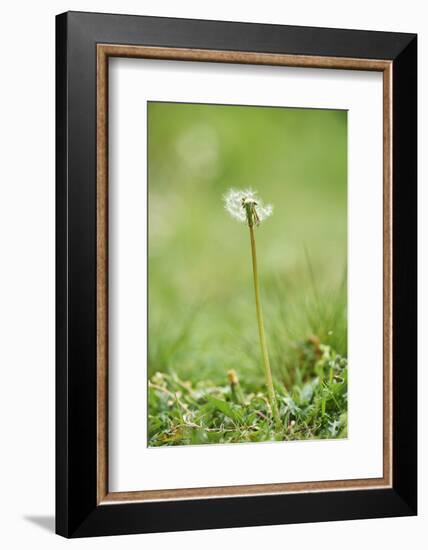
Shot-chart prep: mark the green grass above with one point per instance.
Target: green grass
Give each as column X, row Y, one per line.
column 191, row 400
column 182, row 412
column 202, row 318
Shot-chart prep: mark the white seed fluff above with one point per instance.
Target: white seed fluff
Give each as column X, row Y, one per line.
column 234, row 202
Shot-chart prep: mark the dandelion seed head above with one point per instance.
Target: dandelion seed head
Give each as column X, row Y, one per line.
column 244, row 203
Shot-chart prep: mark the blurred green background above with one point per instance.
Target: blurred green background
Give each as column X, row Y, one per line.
column 202, row 318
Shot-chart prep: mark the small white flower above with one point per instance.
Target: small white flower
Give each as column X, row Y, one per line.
column 246, row 207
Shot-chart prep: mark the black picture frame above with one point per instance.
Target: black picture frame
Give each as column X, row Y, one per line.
column 77, row 512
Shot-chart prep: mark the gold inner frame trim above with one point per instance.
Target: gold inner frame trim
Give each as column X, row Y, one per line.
column 104, row 51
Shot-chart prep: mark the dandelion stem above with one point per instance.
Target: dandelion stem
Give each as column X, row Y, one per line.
column 262, row 336
column 245, row 206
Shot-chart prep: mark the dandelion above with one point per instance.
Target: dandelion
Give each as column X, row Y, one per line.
column 246, row 207
column 237, row 203
column 235, row 387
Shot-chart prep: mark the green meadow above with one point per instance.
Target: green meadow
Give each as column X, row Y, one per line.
column 206, row 378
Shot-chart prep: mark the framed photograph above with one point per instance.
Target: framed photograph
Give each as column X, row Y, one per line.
column 236, row 274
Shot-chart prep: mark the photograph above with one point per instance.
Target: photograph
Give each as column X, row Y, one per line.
column 212, row 262
column 247, row 274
